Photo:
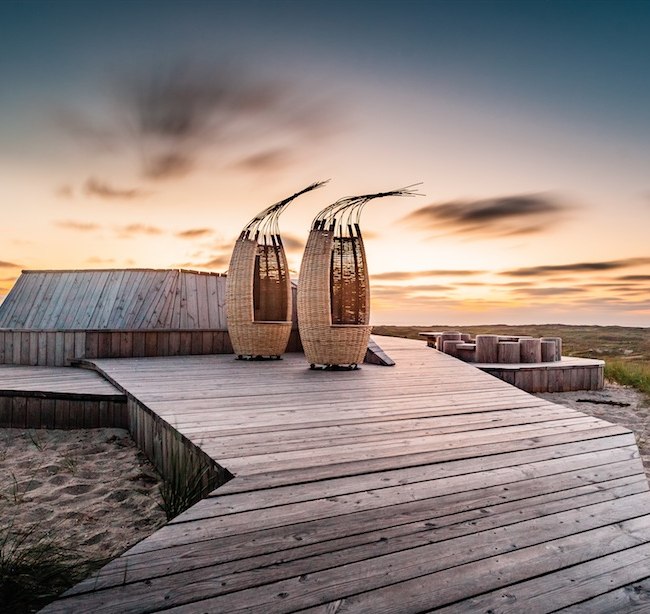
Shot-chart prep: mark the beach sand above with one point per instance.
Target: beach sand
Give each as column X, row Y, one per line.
column 618, row 404
column 90, row 492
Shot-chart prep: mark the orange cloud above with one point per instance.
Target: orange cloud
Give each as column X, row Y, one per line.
column 78, row 226
column 194, row 233
column 101, row 189
column 405, row 275
column 131, row 230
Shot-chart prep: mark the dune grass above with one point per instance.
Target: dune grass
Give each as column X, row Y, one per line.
column 34, row 567
column 186, row 484
column 629, row 373
column 187, row 479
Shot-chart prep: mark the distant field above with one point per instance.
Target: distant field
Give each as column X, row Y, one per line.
column 625, row 350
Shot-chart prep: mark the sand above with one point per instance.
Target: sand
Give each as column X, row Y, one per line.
column 92, row 491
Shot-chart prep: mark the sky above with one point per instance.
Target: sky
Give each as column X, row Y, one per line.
column 148, row 133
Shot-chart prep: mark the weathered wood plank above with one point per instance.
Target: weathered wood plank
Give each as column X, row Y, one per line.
column 632, row 598
column 257, row 549
column 330, row 567
column 457, row 571
column 555, row 591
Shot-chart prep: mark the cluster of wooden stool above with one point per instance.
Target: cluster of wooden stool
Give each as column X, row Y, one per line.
column 496, row 349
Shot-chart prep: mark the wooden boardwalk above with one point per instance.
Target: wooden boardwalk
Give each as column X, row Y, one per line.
column 425, row 486
column 58, row 397
column 21, row 380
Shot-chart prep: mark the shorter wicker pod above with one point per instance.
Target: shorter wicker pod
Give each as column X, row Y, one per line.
column 333, row 289
column 258, row 299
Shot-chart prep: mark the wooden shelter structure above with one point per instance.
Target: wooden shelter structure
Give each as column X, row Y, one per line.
column 333, row 292
column 259, row 293
column 51, row 318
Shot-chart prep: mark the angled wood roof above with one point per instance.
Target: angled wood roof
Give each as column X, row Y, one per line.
column 125, row 299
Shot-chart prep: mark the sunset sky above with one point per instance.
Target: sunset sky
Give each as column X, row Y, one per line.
column 148, row 133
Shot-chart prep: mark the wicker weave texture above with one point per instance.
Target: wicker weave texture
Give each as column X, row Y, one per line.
column 349, row 288
column 250, row 337
column 324, row 343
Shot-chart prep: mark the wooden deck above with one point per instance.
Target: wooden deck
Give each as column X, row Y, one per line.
column 571, row 373
column 425, row 486
column 53, row 397
column 53, row 381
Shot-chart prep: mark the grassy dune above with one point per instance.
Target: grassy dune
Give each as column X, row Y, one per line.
column 629, row 373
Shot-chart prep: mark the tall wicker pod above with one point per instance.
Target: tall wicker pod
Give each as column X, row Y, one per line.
column 333, row 288
column 258, row 300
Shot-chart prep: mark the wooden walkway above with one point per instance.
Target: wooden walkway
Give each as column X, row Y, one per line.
column 54, row 380
column 58, row 397
column 425, row 486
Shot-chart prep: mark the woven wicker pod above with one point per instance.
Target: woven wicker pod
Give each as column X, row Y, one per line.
column 333, row 291
column 258, row 300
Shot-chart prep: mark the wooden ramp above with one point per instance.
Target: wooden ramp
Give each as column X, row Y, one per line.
column 426, row 486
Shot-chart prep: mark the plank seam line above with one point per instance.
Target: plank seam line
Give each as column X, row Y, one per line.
column 394, row 552
column 564, row 568
column 416, row 575
column 613, row 590
column 465, row 455
column 459, row 476
column 641, row 479
column 179, row 522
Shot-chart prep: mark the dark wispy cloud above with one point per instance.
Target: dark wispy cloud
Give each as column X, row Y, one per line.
column 640, row 290
column 417, row 301
column 292, row 243
column 616, row 285
column 517, row 284
column 265, row 161
column 634, row 278
column 578, row 267
column 64, row 191
column 415, row 288
column 131, row 230
column 406, row 275
column 496, row 217
column 102, row 189
column 194, row 233
column 77, row 226
column 98, row 134
column 558, row 291
column 220, row 261
column 169, row 117
column 410, row 296
column 9, row 265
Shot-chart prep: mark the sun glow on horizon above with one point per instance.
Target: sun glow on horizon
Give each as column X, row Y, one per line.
column 534, row 164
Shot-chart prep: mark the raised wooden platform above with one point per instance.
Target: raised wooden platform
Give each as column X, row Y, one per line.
column 569, row 374
column 426, row 486
column 51, row 397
